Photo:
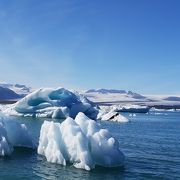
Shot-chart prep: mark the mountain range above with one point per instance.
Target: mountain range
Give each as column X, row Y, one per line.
column 16, row 91
column 13, row 91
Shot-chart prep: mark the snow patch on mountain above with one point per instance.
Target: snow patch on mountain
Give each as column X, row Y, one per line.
column 112, row 95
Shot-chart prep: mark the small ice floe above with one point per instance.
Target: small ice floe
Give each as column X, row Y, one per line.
column 132, row 115
column 133, row 108
column 160, row 113
column 81, row 142
column 109, row 114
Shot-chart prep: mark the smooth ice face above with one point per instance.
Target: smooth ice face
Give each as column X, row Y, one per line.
column 18, row 134
column 5, row 146
column 14, row 134
column 52, row 103
column 81, row 142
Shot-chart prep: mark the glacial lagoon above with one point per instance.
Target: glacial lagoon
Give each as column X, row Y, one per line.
column 150, row 142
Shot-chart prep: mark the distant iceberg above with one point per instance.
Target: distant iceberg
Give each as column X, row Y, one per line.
column 52, row 103
column 131, row 108
column 81, row 142
column 5, row 147
column 109, row 114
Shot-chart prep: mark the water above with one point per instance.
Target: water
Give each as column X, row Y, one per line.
column 150, row 142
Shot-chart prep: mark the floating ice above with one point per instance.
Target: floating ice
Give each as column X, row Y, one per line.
column 18, row 134
column 132, row 108
column 60, row 104
column 5, row 146
column 110, row 114
column 81, row 142
column 52, row 103
column 103, row 147
column 132, row 115
column 13, row 134
column 114, row 116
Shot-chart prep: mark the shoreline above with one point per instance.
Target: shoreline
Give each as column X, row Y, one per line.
column 8, row 101
column 157, row 105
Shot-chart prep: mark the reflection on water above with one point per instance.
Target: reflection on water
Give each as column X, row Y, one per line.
column 47, row 170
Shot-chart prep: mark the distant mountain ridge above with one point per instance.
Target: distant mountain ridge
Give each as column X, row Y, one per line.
column 8, row 94
column 172, row 98
column 115, row 91
column 19, row 89
column 16, row 91
column 122, row 96
column 105, row 91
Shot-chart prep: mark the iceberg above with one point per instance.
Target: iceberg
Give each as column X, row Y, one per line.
column 60, row 104
column 103, row 147
column 110, row 114
column 52, row 103
column 5, row 146
column 114, row 116
column 18, row 134
column 13, row 134
column 81, row 142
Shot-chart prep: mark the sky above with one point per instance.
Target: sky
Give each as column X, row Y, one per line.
column 83, row 44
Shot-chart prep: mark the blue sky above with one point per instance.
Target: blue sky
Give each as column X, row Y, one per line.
column 81, row 44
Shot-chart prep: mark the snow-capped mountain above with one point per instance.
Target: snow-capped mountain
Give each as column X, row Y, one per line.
column 113, row 95
column 105, row 91
column 135, row 95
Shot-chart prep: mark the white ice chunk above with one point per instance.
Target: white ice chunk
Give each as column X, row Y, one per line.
column 76, row 143
column 5, row 146
column 65, row 142
column 81, row 142
column 16, row 134
column 104, row 148
column 106, row 115
column 50, row 143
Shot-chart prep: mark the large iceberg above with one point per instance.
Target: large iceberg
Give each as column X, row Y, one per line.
column 52, row 103
column 59, row 104
column 81, row 142
column 13, row 134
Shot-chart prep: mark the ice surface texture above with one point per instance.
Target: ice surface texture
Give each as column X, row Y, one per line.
column 110, row 114
column 59, row 104
column 81, row 142
column 53, row 103
column 13, row 134
column 5, row 146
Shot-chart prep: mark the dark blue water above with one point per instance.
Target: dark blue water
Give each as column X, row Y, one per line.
column 150, row 142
